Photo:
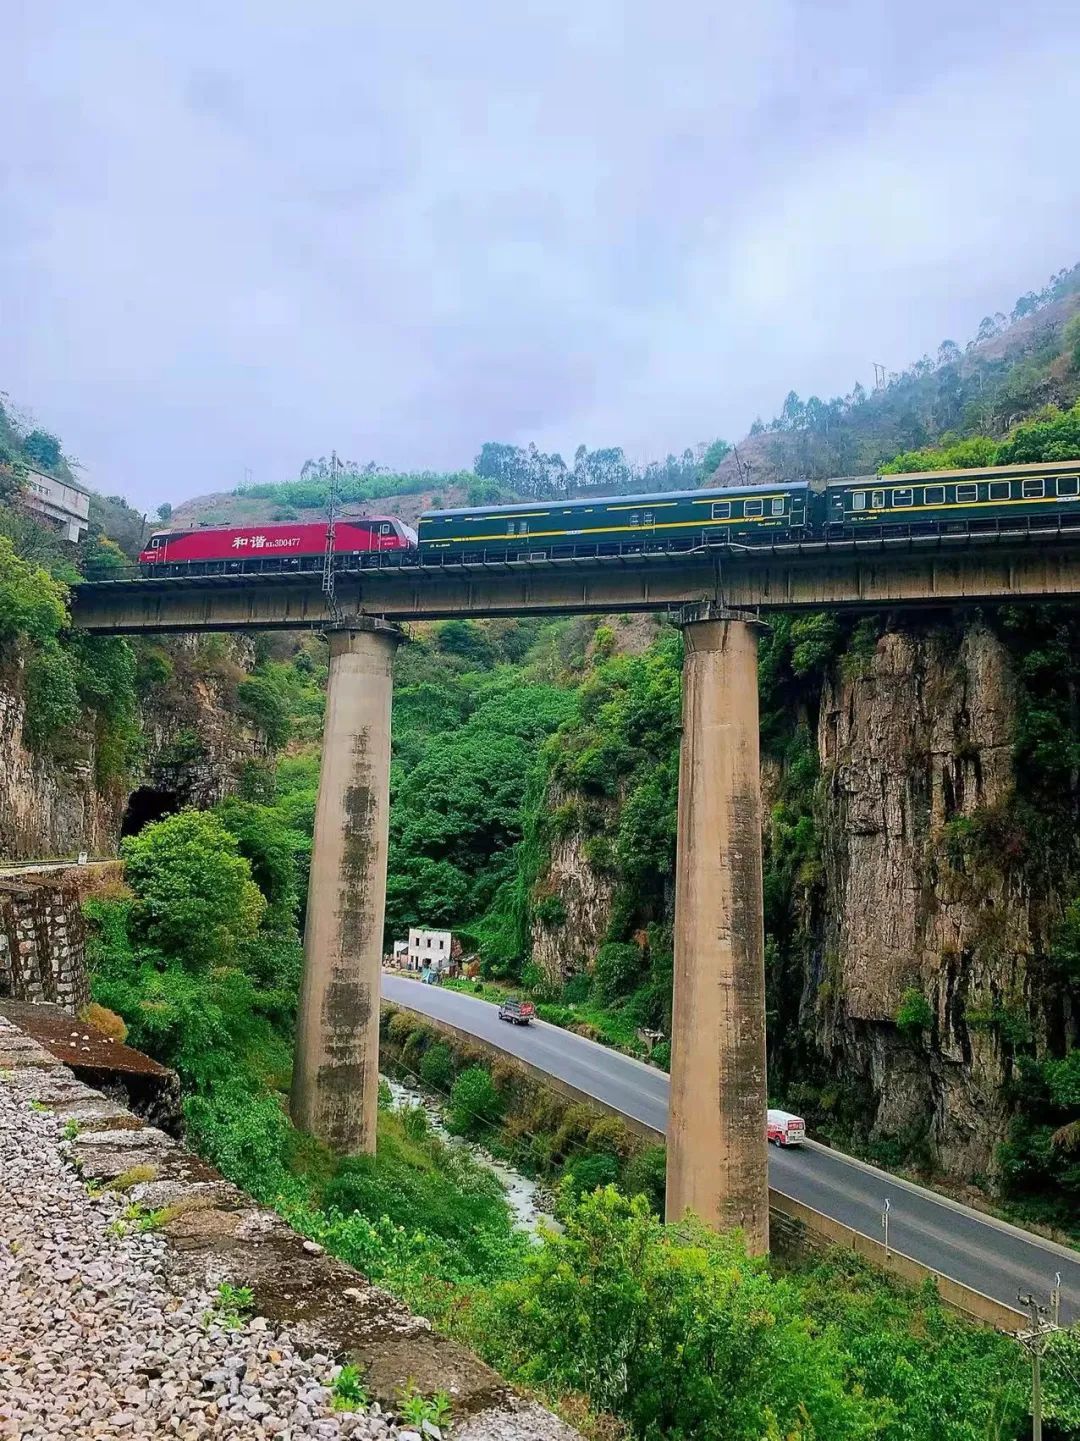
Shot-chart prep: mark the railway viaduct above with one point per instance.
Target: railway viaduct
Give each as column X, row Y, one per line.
column 716, row 1156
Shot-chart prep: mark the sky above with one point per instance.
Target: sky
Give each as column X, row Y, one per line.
column 234, row 236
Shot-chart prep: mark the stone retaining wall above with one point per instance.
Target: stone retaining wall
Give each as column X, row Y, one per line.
column 42, row 933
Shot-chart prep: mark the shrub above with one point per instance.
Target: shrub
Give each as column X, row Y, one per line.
column 263, row 703
column 585, row 1174
column 660, row 1055
column 475, row 1105
column 577, row 989
column 107, row 1022
column 914, row 1014
column 437, row 1069
column 616, row 970
column 646, row 1175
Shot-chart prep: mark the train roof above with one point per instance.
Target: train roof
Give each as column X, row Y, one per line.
column 979, row 472
column 582, row 502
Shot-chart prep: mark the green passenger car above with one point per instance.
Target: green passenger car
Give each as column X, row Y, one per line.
column 999, row 498
column 616, row 525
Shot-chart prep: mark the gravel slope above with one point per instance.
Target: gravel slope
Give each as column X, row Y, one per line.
column 96, row 1342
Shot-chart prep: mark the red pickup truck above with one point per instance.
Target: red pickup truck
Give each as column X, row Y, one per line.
column 517, row 1011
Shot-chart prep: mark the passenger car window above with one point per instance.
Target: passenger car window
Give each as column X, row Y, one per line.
column 877, row 500
column 858, row 500
column 510, row 527
column 902, row 497
column 934, row 495
column 1000, row 490
column 753, row 507
column 967, row 493
column 721, row 509
column 1068, row 484
column 1033, row 489
column 777, row 506
column 649, row 518
column 635, row 517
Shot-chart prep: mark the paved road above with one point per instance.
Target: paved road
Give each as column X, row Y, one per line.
column 974, row 1249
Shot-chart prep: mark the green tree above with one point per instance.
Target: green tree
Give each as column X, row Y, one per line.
column 194, row 895
column 43, row 450
column 607, row 1307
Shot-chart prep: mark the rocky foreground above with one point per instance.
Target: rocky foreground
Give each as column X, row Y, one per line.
column 94, row 1342
column 102, row 1335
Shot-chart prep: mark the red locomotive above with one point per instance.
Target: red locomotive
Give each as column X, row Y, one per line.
column 298, row 546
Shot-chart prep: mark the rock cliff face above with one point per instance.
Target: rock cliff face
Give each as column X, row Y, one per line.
column 195, row 749
column 565, row 943
column 918, row 739
column 48, row 810
column 918, row 973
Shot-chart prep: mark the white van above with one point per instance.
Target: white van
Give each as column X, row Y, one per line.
column 785, row 1129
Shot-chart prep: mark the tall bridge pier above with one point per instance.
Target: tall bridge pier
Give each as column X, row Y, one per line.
column 716, row 1161
column 336, row 1064
column 717, row 1164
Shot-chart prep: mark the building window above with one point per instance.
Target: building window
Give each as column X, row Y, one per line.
column 903, row 497
column 934, row 495
column 1000, row 490
column 965, row 494
column 721, row 509
column 1068, row 484
column 858, row 500
column 1034, row 489
column 753, row 507
column 777, row 506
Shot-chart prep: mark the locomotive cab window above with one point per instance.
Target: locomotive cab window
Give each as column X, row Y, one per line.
column 903, row 497
column 858, row 500
column 385, row 528
column 155, row 542
column 777, row 506
column 1034, row 489
column 877, row 500
column 721, row 509
column 934, row 495
column 1068, row 484
column 1000, row 490
column 753, row 507
column 966, row 494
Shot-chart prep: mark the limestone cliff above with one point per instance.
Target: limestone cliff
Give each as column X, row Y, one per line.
column 914, row 973
column 194, row 750
column 572, row 900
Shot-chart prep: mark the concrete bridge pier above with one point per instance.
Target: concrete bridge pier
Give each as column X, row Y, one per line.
column 716, row 1161
column 336, row 1064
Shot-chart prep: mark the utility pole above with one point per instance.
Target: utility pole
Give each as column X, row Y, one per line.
column 879, row 376
column 1035, row 1342
column 885, row 1209
column 331, row 531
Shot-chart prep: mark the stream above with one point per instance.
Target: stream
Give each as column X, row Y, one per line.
column 524, row 1196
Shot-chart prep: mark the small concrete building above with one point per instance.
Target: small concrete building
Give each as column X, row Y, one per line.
column 429, row 949
column 62, row 501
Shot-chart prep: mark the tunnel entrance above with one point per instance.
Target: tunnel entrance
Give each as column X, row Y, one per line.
column 145, row 805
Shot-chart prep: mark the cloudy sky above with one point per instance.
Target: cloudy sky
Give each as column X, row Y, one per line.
column 236, row 235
